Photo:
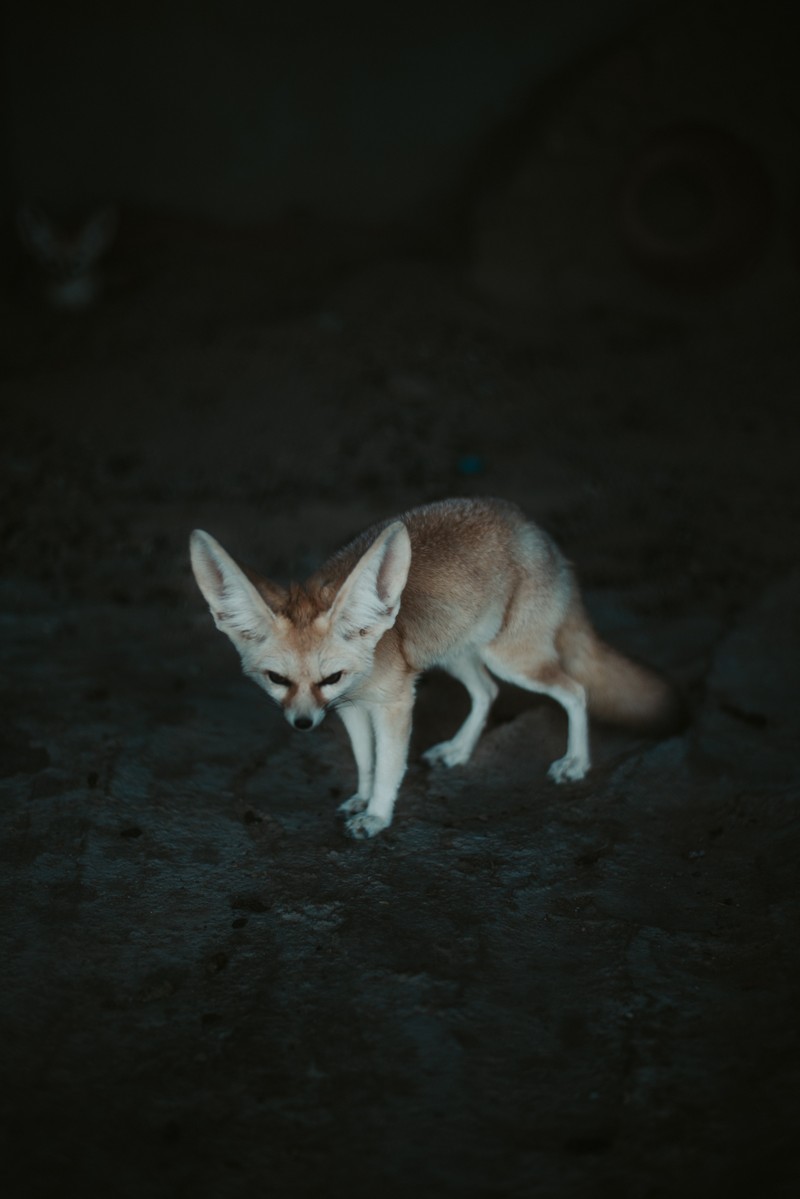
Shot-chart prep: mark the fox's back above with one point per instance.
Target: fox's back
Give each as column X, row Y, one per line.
column 468, row 558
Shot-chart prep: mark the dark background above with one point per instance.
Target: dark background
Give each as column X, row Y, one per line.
column 240, row 111
column 365, row 258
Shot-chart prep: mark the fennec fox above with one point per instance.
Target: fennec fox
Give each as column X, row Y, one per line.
column 470, row 586
column 69, row 262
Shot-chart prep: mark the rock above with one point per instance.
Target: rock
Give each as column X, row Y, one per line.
column 752, row 713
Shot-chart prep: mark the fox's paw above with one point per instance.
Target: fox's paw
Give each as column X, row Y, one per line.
column 568, row 769
column 363, row 825
column 447, row 753
column 354, row 804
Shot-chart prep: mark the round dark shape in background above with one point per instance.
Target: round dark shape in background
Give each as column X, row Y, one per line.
column 695, row 207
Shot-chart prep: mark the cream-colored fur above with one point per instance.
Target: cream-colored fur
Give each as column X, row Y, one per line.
column 470, row 586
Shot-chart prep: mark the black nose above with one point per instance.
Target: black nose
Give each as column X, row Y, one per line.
column 302, row 722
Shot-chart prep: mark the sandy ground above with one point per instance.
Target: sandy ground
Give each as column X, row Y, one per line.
column 519, row 989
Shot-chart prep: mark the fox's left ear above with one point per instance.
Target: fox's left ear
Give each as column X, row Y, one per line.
column 369, row 599
column 237, row 608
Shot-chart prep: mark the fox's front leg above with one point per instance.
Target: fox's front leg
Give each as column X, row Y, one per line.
column 355, row 718
column 391, row 727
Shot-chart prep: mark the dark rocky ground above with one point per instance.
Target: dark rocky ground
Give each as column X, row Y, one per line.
column 518, row 989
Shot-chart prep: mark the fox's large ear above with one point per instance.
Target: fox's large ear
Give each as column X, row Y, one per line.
column 369, row 599
column 235, row 604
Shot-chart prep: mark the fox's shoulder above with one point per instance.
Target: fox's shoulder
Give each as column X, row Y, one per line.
column 456, row 544
column 437, row 525
column 457, row 516
column 452, row 539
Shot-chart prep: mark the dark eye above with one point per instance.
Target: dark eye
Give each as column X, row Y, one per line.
column 277, row 679
column 331, row 679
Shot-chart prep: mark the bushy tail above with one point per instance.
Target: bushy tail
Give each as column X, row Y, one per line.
column 618, row 689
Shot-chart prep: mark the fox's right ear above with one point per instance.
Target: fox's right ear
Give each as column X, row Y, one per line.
column 237, row 608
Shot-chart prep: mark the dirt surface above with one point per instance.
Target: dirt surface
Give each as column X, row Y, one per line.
column 519, row 989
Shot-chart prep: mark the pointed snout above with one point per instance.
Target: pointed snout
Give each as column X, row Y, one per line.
column 305, row 721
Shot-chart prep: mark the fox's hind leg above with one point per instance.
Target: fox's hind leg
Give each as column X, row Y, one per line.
column 470, row 671
column 548, row 678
